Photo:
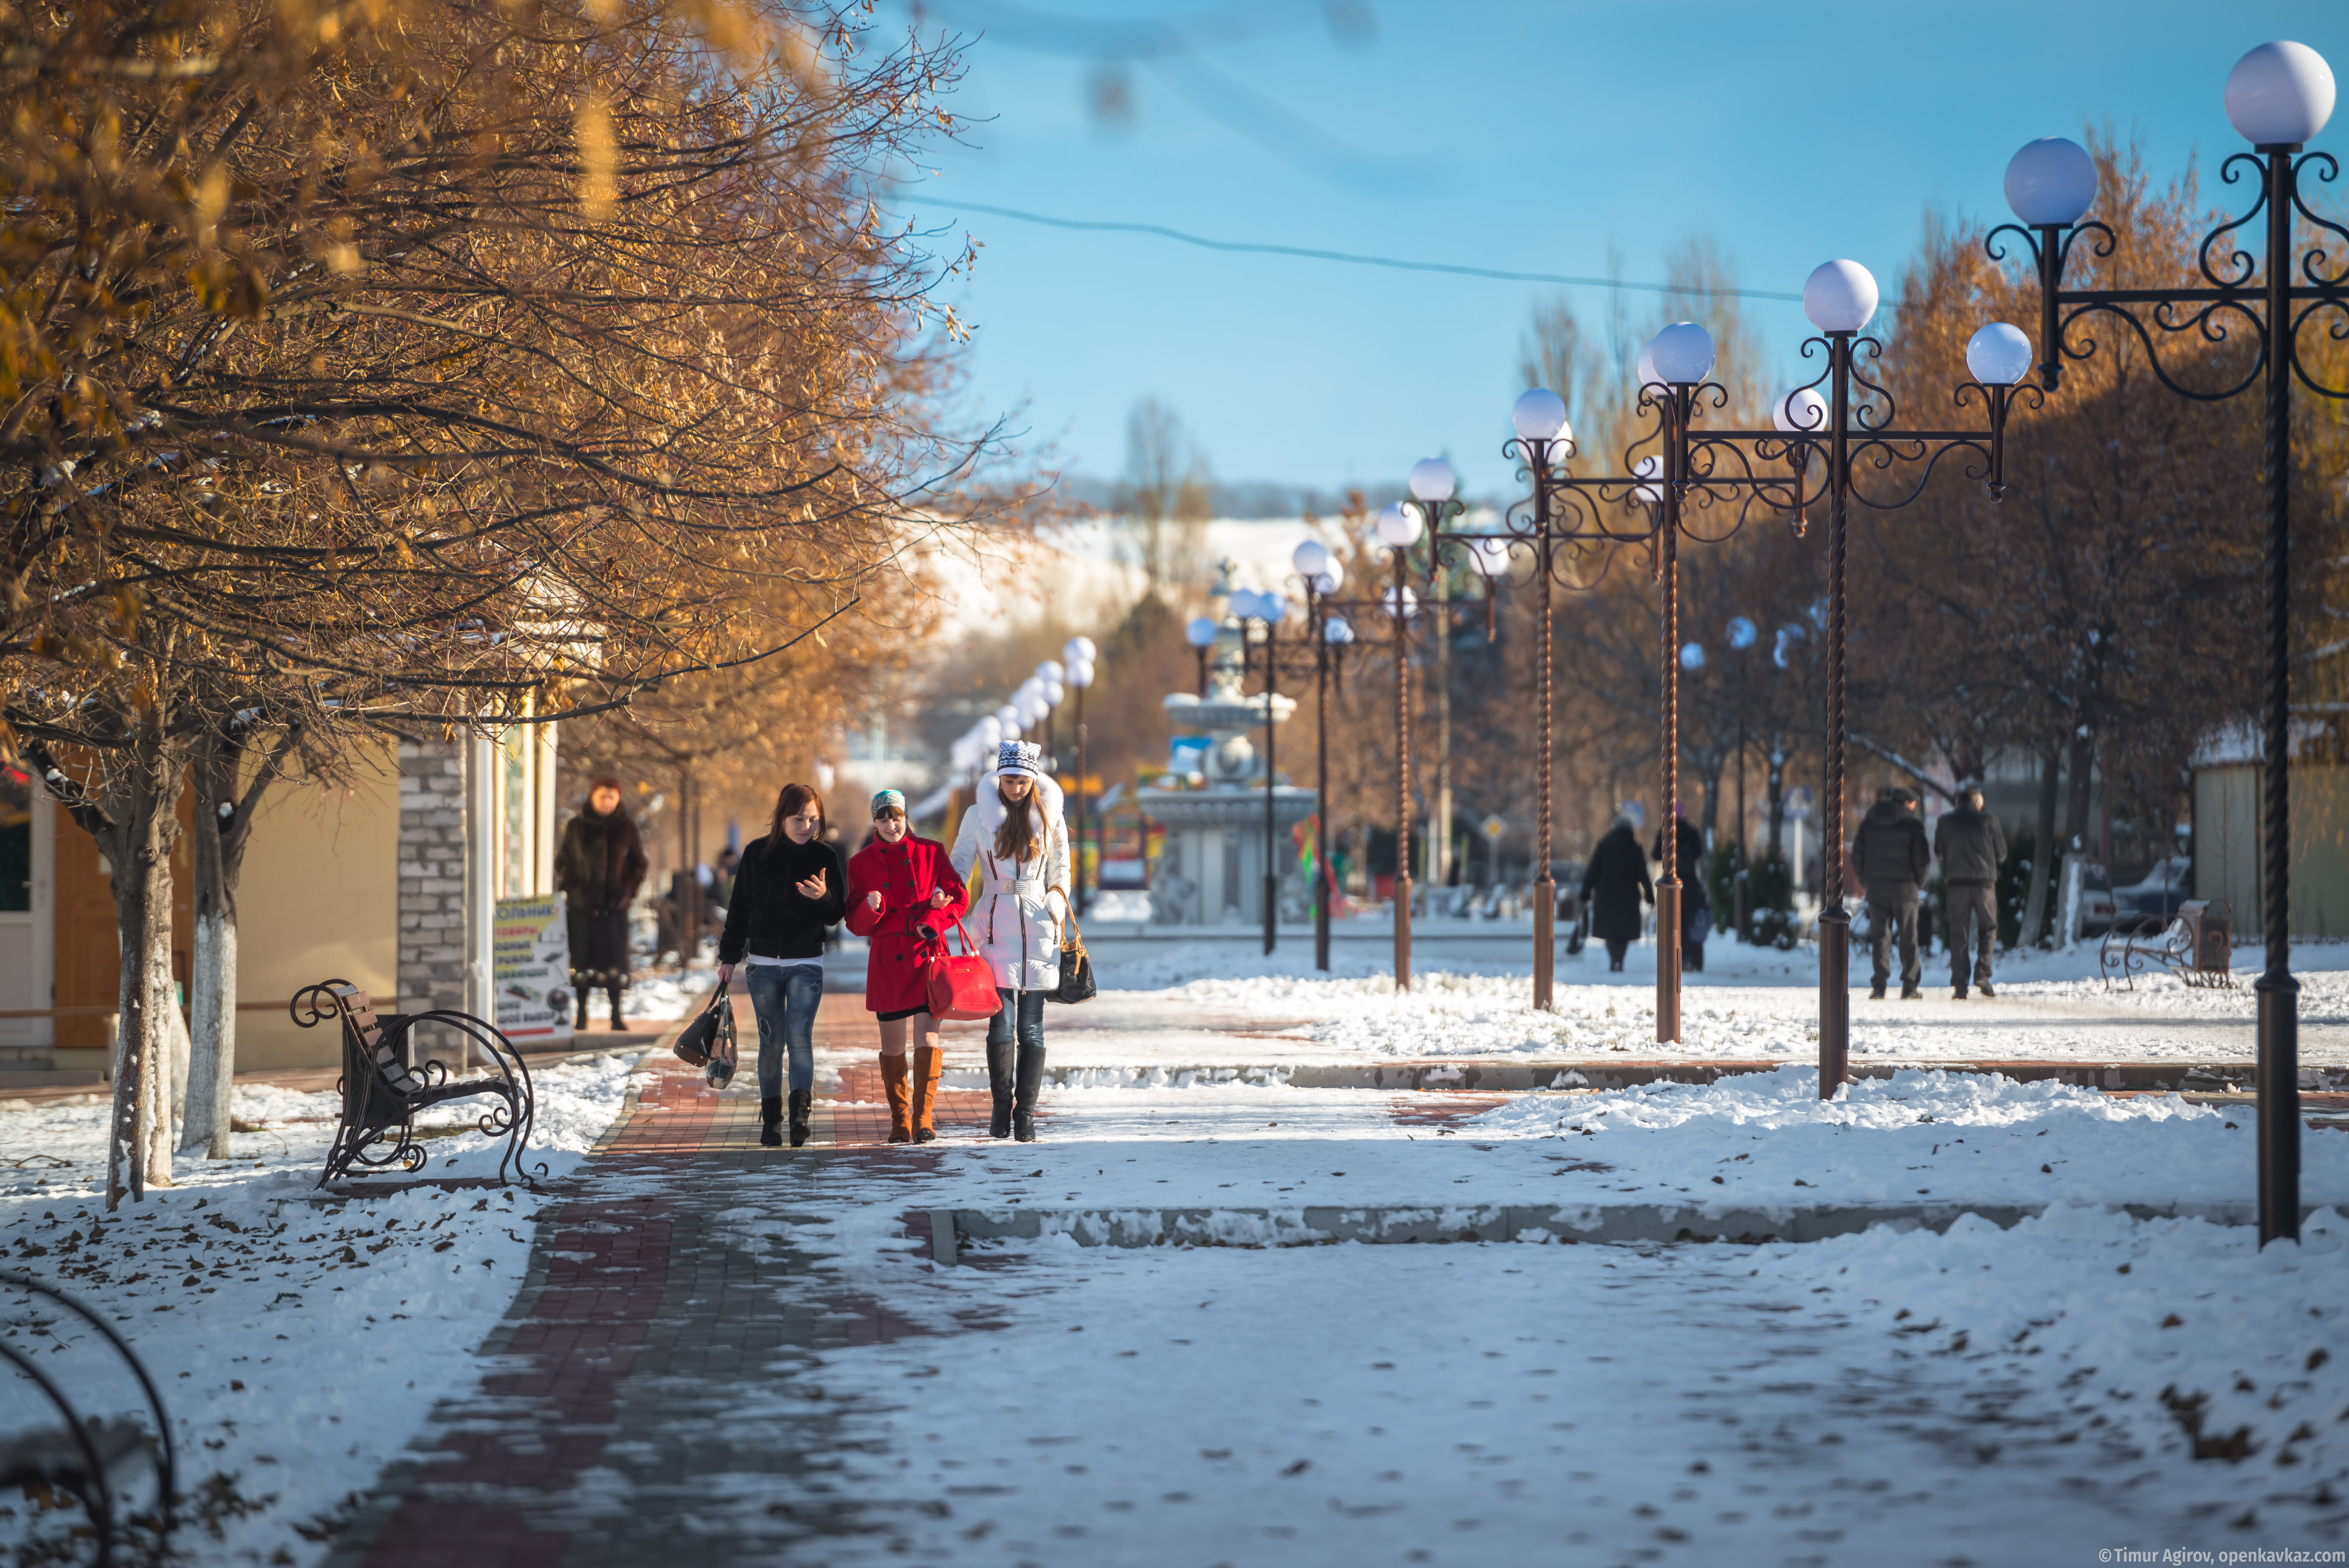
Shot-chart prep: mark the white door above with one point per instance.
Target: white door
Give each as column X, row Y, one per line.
column 27, row 924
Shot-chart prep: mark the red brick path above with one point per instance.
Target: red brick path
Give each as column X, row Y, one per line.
column 635, row 1284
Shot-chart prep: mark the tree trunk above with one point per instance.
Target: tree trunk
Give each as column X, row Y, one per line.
column 137, row 840
column 1778, row 790
column 220, row 840
column 1711, row 778
column 2082, row 779
column 2042, row 852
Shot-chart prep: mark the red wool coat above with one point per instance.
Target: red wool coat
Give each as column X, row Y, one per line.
column 903, row 928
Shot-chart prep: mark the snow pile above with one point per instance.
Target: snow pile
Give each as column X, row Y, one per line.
column 1767, row 1140
column 298, row 1340
column 2168, row 1337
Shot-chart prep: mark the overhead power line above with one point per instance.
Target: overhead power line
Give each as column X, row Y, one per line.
column 1354, row 258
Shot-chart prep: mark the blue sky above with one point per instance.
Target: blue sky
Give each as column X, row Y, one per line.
column 1512, row 136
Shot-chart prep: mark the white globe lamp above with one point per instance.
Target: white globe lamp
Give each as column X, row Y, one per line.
column 1399, row 527
column 1999, row 355
column 1079, row 650
column 1199, row 630
column 1049, row 671
column 1081, row 674
column 1540, row 415
column 1682, row 353
column 2279, row 95
column 1431, row 479
column 2051, row 182
column 1801, row 412
column 1311, row 558
column 1839, row 296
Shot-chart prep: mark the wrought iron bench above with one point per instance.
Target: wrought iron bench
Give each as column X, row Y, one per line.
column 381, row 1092
column 2196, row 945
column 95, row 1461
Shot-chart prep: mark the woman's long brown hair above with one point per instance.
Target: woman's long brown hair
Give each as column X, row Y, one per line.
column 794, row 799
column 1016, row 839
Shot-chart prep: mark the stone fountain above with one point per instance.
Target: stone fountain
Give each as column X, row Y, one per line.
column 1210, row 868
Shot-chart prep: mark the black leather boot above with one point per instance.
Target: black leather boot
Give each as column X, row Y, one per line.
column 580, row 1022
column 803, row 1105
column 1030, row 1078
column 999, row 1084
column 770, row 1116
column 616, row 1024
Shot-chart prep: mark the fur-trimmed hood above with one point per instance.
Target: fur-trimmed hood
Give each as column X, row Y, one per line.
column 989, row 807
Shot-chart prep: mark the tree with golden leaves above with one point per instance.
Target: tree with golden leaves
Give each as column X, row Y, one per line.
column 408, row 366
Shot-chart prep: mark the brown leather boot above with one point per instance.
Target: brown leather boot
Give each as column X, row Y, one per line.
column 928, row 1063
column 893, row 1084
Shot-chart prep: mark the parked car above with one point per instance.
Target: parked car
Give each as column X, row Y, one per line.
column 2168, row 885
column 2097, row 907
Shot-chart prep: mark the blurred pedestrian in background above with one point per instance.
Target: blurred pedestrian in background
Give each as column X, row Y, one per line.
column 1971, row 845
column 1696, row 904
column 598, row 868
column 1616, row 885
column 1891, row 857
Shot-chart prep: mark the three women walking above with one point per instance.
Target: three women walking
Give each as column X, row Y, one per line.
column 1015, row 833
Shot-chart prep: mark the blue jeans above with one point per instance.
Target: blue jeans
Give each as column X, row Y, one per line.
column 785, row 999
column 1027, row 1007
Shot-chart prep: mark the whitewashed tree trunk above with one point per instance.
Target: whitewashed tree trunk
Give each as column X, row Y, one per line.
column 2073, row 916
column 165, row 1034
column 212, row 1016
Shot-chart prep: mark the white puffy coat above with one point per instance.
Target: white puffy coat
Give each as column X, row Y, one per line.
column 1016, row 906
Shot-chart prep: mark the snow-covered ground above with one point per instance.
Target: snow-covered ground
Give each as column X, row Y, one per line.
column 1207, row 1004
column 298, row 1343
column 2106, row 1382
column 1846, row 1402
column 664, row 997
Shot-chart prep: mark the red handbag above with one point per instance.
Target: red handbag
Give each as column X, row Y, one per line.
column 960, row 986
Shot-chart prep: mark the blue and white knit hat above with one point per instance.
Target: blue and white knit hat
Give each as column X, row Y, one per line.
column 888, row 800
column 1020, row 757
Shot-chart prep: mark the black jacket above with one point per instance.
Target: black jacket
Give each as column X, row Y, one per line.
column 1889, row 853
column 1970, row 845
column 1616, row 883
column 769, row 915
column 601, row 862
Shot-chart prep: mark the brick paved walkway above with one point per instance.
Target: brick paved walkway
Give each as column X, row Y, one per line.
column 646, row 1382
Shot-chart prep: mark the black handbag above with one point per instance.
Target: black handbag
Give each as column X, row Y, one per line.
column 1076, row 969
column 708, row 1043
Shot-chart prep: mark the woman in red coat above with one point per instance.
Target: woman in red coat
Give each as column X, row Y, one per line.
column 903, row 895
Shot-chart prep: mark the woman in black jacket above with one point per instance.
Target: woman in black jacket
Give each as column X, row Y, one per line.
column 598, row 868
column 1615, row 885
column 790, row 889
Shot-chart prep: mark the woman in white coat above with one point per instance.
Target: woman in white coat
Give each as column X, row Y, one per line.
column 1012, row 852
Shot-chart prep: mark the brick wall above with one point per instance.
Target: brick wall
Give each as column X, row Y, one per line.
column 431, row 876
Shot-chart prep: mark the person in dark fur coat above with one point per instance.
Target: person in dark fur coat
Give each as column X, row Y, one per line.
column 598, row 868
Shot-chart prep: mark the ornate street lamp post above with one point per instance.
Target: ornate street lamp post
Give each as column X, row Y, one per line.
column 1078, row 653
column 1267, row 611
column 1399, row 529
column 1322, row 574
column 2279, row 95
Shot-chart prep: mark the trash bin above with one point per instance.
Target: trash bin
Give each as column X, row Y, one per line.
column 2210, row 929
